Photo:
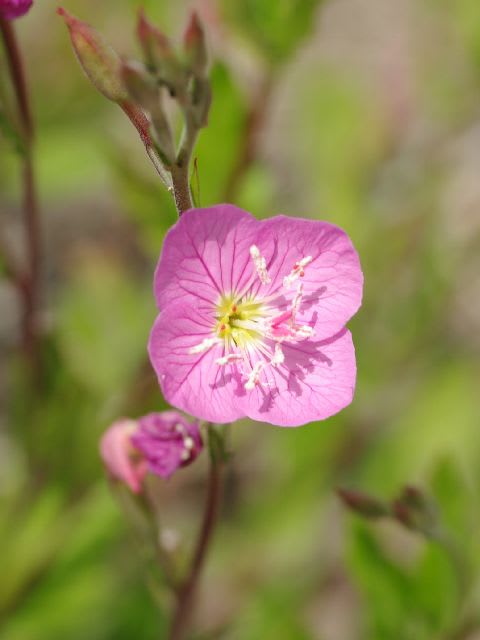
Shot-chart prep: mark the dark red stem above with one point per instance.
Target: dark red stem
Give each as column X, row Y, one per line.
column 187, row 591
column 28, row 283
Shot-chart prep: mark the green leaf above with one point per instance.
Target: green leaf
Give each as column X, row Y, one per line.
column 276, row 28
column 385, row 586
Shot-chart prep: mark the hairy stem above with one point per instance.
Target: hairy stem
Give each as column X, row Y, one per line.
column 187, row 590
column 28, row 285
column 181, row 188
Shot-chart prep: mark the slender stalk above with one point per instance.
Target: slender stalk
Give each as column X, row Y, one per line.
column 181, row 188
column 29, row 284
column 17, row 74
column 180, row 170
column 187, row 591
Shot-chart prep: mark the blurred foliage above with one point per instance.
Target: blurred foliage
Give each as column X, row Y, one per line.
column 370, row 120
column 275, row 28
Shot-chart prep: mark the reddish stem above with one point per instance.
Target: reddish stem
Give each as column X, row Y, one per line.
column 187, row 591
column 27, row 284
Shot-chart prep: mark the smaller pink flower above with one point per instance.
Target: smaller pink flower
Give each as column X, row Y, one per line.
column 121, row 459
column 11, row 9
column 167, row 441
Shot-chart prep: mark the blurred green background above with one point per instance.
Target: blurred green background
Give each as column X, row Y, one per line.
column 365, row 113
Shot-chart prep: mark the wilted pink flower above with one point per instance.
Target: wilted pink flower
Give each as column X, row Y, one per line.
column 121, row 459
column 10, row 9
column 252, row 317
column 167, row 441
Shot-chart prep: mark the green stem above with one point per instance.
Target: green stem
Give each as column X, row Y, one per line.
column 181, row 188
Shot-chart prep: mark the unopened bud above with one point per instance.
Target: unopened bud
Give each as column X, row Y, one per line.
column 363, row 504
column 11, row 9
column 140, row 86
column 155, row 44
column 200, row 101
column 196, row 47
column 99, row 61
column 416, row 511
column 160, row 57
column 123, row 462
column 144, row 91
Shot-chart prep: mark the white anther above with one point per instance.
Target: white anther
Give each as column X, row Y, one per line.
column 254, row 377
column 298, row 271
column 205, row 345
column 188, row 443
column 304, row 331
column 260, row 264
column 278, row 356
column 185, row 455
column 229, row 359
column 179, row 428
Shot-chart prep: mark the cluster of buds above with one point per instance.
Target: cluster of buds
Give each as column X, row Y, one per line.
column 140, row 88
column 159, row 443
column 11, row 9
column 412, row 508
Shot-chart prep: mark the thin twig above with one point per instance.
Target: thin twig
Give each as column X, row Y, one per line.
column 187, row 591
column 29, row 285
column 181, row 188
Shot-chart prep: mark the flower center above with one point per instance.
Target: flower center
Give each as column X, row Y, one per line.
column 238, row 320
column 253, row 329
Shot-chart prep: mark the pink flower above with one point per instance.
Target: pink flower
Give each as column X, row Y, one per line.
column 158, row 442
column 10, row 9
column 121, row 459
column 252, row 317
column 167, row 441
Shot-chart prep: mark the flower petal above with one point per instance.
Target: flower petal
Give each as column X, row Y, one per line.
column 194, row 382
column 333, row 280
column 316, row 380
column 205, row 254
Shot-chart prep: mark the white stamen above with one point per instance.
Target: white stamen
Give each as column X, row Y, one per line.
column 297, row 299
column 298, row 271
column 185, row 455
column 228, row 359
column 304, row 331
column 205, row 345
column 189, row 443
column 278, row 356
column 260, row 265
column 179, row 428
column 254, row 377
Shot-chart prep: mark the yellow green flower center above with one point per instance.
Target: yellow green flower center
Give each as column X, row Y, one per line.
column 237, row 321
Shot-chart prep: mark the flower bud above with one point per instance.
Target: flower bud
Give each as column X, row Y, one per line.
column 99, row 61
column 416, row 511
column 144, row 91
column 141, row 87
column 200, row 101
column 363, row 504
column 122, row 461
column 155, row 44
column 167, row 441
column 196, row 47
column 160, row 57
column 11, row 9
